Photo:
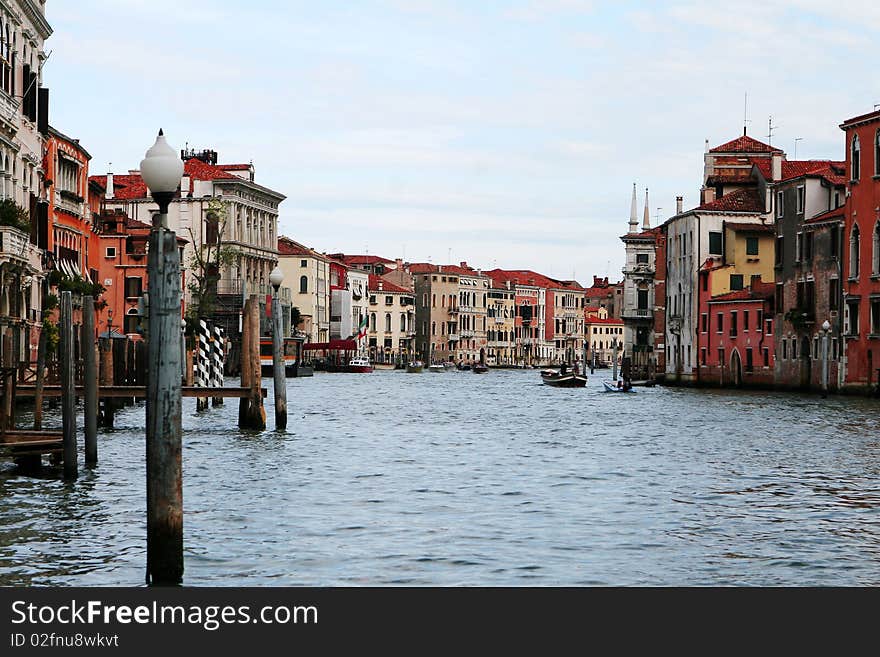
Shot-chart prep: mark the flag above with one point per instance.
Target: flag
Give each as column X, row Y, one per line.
column 362, row 328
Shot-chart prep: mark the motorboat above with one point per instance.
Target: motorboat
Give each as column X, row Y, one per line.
column 415, row 367
column 359, row 366
column 437, row 369
column 479, row 368
column 563, row 379
column 464, row 367
column 610, row 387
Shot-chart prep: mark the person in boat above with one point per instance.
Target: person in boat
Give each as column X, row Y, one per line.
column 562, row 369
column 620, row 384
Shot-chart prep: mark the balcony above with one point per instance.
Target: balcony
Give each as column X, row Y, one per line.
column 452, row 337
column 467, row 334
column 69, row 202
column 16, row 245
column 636, row 313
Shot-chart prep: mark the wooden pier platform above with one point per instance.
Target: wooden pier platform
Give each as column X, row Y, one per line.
column 16, row 443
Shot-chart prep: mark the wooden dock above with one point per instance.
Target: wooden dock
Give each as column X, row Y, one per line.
column 135, row 392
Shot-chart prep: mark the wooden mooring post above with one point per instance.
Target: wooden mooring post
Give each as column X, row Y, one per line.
column 90, row 380
column 278, row 365
column 251, row 413
column 164, row 469
column 108, row 406
column 68, row 390
column 40, row 380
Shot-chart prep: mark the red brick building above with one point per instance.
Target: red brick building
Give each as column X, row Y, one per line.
column 735, row 335
column 861, row 252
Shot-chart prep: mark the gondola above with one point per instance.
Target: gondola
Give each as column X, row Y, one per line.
column 563, row 380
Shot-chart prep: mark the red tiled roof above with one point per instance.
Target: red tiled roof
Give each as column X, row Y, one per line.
column 422, row 268
column 745, row 144
column 799, row 168
column 758, row 291
column 739, row 177
column 361, row 259
column 387, row 286
column 870, row 116
column 749, row 228
column 836, row 213
column 235, row 167
column 132, row 186
column 522, row 277
column 287, row 246
column 742, row 200
column 198, row 170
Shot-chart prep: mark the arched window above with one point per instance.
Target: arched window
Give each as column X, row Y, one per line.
column 856, row 158
column 388, row 322
column 373, row 322
column 303, row 284
column 854, row 253
column 403, row 322
column 433, row 328
column 875, row 264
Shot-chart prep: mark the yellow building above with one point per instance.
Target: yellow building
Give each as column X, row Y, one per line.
column 749, row 252
column 307, row 274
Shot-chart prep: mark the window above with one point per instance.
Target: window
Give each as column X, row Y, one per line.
column 715, row 243
column 389, row 301
column 703, row 356
column 856, row 158
column 212, row 229
column 388, row 322
column 784, row 349
column 373, row 322
column 799, row 247
column 719, row 323
column 110, row 252
column 833, row 293
column 875, row 316
column 875, row 259
column 780, row 243
column 877, row 153
column 745, row 320
column 854, row 252
column 402, row 322
column 736, row 281
column 133, row 287
column 780, row 204
column 768, row 326
column 303, row 263
column 808, row 246
column 131, row 321
column 751, row 246
column 801, row 198
column 642, row 258
column 834, row 242
column 852, row 317
column 766, row 357
column 733, row 324
column 643, row 299
column 704, row 320
column 750, row 366
column 759, row 320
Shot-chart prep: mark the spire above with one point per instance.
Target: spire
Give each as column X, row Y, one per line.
column 633, row 214
column 646, row 224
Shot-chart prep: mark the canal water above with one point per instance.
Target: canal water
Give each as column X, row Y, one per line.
column 458, row 479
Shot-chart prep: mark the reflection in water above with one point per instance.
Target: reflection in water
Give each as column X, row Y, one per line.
column 392, row 478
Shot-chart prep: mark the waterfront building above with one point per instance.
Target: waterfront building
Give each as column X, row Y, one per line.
column 340, row 302
column 807, row 202
column 473, row 290
column 603, row 333
column 565, row 330
column 216, row 205
column 307, row 274
column 359, row 284
column 531, row 345
column 501, row 316
column 392, row 317
column 372, row 264
column 861, row 253
column 24, row 128
column 605, row 295
column 638, row 303
column 736, row 334
column 438, row 311
column 731, row 193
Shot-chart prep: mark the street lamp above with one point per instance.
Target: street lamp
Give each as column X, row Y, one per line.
column 161, row 170
column 826, row 329
column 276, row 277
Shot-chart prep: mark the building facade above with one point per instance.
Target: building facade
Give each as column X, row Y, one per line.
column 438, row 333
column 307, row 275
column 391, row 330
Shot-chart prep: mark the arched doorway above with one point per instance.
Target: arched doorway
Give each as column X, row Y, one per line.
column 806, row 362
column 736, row 375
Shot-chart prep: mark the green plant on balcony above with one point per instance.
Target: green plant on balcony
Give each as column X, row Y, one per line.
column 77, row 286
column 800, row 318
column 12, row 214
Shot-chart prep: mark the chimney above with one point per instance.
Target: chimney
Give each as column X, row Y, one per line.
column 464, row 265
column 380, row 286
column 776, row 166
column 646, row 223
column 679, row 204
column 399, row 263
column 109, row 193
column 708, row 194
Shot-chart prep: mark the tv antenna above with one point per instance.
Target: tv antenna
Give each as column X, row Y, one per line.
column 796, row 140
column 770, row 129
column 746, row 119
column 657, row 217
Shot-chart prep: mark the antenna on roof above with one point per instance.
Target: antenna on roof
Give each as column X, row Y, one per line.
column 657, row 217
column 746, row 119
column 796, row 140
column 770, row 129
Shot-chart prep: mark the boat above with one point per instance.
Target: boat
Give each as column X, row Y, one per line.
column 464, row 367
column 479, row 368
column 383, row 366
column 610, row 387
column 437, row 369
column 358, row 366
column 448, row 365
column 415, row 367
column 267, row 365
column 563, row 379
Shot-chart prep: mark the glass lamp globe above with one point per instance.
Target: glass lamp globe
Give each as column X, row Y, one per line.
column 161, row 168
column 276, row 277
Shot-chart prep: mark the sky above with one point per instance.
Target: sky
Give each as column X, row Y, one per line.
column 503, row 134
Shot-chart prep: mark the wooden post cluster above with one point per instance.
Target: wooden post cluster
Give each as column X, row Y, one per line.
column 164, row 466
column 251, row 413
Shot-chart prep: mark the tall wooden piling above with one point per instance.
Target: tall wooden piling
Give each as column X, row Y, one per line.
column 164, row 468
column 90, row 380
column 278, row 365
column 251, row 413
column 106, row 380
column 68, row 390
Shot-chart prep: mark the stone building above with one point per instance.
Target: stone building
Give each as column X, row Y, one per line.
column 307, row 275
column 392, row 317
column 501, row 318
column 437, row 302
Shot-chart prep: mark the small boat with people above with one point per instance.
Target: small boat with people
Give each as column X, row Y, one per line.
column 564, row 378
column 358, row 366
column 415, row 367
column 479, row 368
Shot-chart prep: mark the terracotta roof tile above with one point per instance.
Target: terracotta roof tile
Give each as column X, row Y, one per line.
column 287, row 246
column 362, row 259
column 749, row 228
column 745, row 144
column 831, row 215
column 387, row 286
column 742, row 200
column 758, row 291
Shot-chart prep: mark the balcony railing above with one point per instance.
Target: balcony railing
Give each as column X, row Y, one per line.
column 452, row 337
column 16, row 244
column 635, row 313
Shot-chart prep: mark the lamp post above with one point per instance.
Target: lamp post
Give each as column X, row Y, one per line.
column 162, row 170
column 276, row 277
column 826, row 329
